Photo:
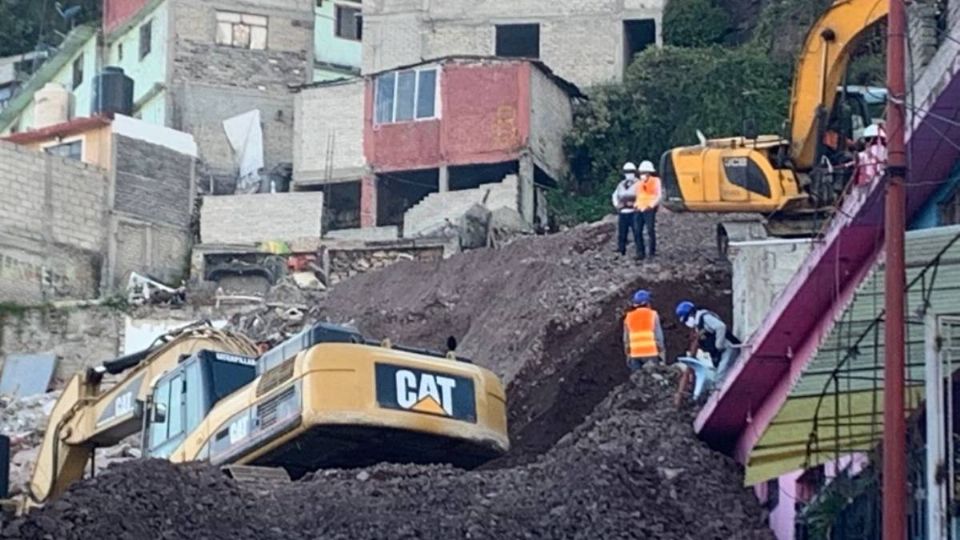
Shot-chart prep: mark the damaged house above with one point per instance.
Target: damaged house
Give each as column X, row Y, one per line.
column 422, row 143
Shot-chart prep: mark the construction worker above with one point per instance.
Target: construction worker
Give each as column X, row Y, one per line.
column 624, row 200
column 871, row 161
column 648, row 199
column 642, row 333
column 711, row 335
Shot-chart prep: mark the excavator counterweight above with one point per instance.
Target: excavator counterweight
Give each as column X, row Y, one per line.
column 325, row 397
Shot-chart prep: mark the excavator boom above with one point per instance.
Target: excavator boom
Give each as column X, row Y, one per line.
column 86, row 417
column 820, row 69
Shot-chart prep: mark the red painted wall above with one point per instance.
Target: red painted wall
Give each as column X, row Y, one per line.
column 484, row 118
column 115, row 12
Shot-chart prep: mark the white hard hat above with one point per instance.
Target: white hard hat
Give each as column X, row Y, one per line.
column 629, row 167
column 646, row 167
column 872, row 130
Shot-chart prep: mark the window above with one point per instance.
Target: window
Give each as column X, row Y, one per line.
column 637, row 36
column 349, row 23
column 78, row 71
column 146, row 34
column 518, row 40
column 161, row 402
column 406, row 95
column 175, row 412
column 193, row 394
column 241, row 30
column 70, row 150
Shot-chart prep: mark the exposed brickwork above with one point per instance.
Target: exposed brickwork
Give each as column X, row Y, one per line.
column 261, row 217
column 551, row 117
column 328, row 133
column 153, row 183
column 368, row 201
column 201, row 109
column 52, row 226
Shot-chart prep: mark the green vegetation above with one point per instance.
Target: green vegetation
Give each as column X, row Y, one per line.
column 692, row 83
column 26, row 23
column 694, row 23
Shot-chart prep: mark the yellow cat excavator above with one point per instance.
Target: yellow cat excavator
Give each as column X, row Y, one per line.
column 792, row 180
column 326, row 397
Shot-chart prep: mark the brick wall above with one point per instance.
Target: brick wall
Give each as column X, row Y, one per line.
column 153, row 183
column 580, row 40
column 198, row 58
column 52, row 226
column 551, row 117
column 237, row 219
column 328, row 133
column 200, row 110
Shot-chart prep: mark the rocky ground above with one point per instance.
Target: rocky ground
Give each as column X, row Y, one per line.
column 633, row 469
column 594, row 454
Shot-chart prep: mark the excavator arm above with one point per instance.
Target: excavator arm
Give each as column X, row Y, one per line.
column 87, row 417
column 820, row 69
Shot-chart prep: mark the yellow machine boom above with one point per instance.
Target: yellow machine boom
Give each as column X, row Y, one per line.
column 325, row 397
column 769, row 174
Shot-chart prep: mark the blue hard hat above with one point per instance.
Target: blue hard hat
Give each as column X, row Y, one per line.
column 641, row 297
column 683, row 309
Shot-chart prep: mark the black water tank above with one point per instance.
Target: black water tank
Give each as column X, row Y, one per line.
column 112, row 92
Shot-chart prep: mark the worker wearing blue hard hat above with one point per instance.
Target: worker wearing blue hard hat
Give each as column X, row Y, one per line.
column 710, row 334
column 642, row 334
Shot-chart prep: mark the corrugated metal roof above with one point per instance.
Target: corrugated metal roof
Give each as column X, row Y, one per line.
column 837, row 403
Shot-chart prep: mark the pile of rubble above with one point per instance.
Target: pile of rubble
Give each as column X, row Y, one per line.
column 542, row 312
column 632, row 469
column 24, row 420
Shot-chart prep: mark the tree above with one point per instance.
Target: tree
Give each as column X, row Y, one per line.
column 694, row 23
column 24, row 24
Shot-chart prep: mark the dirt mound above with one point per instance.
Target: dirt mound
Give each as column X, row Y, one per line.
column 633, row 469
column 541, row 312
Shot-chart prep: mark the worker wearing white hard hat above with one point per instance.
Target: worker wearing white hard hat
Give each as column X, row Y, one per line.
column 649, row 195
column 871, row 161
column 624, row 201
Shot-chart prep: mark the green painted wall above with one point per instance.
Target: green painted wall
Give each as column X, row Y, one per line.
column 82, row 94
column 150, row 72
column 328, row 48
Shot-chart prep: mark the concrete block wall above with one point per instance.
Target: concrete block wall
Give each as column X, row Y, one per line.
column 761, row 270
column 153, row 183
column 52, row 226
column 551, row 118
column 237, row 219
column 200, row 109
column 580, row 40
column 922, row 25
column 328, row 133
column 438, row 208
column 198, row 58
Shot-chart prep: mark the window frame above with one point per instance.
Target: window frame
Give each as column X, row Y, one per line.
column 416, row 95
column 77, row 72
column 65, row 143
column 237, row 18
column 148, row 26
column 358, row 21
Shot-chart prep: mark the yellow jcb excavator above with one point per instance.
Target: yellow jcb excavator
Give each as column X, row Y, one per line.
column 325, row 397
column 786, row 178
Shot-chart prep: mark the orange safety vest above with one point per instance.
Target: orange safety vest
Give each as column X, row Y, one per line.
column 641, row 324
column 648, row 192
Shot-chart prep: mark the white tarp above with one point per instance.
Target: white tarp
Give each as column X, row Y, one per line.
column 246, row 139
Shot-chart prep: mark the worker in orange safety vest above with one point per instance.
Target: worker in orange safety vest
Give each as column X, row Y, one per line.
column 642, row 333
column 649, row 195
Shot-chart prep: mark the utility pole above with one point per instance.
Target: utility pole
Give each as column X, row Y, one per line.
column 894, row 424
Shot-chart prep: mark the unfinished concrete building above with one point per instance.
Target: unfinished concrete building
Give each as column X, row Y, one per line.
column 436, row 137
column 587, row 43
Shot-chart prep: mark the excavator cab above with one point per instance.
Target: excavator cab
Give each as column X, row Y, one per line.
column 184, row 395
